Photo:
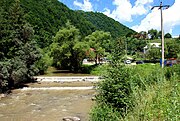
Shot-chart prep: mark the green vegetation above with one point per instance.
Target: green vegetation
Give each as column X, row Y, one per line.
column 100, row 42
column 167, row 35
column 48, row 16
column 69, row 49
column 143, row 92
column 135, row 45
column 18, row 52
column 98, row 70
column 104, row 23
column 172, row 48
column 35, row 36
column 154, row 34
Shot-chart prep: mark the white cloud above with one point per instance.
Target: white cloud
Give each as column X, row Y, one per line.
column 141, row 7
column 86, row 5
column 124, row 10
column 171, row 18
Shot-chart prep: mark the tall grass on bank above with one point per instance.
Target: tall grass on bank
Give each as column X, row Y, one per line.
column 160, row 101
column 154, row 95
column 95, row 69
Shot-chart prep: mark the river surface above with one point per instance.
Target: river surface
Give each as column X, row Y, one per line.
column 46, row 105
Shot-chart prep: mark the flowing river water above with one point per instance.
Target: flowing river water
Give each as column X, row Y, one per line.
column 47, row 104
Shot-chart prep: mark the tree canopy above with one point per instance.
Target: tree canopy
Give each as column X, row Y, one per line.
column 167, row 35
column 67, row 49
column 18, row 49
column 100, row 41
column 104, row 23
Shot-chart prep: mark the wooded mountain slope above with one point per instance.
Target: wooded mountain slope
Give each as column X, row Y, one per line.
column 48, row 16
column 102, row 22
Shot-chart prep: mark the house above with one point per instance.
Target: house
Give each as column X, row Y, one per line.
column 150, row 45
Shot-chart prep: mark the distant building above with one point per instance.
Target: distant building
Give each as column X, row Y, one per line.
column 150, row 45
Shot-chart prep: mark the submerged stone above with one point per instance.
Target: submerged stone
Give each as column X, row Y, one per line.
column 69, row 118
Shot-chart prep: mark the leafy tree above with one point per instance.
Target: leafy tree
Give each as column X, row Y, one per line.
column 153, row 53
column 45, row 60
column 160, row 34
column 153, row 34
column 167, row 35
column 19, row 50
column 67, row 49
column 173, row 49
column 134, row 45
column 100, row 42
column 129, row 34
column 115, row 90
column 118, row 50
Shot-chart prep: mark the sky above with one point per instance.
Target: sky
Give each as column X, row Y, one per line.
column 135, row 14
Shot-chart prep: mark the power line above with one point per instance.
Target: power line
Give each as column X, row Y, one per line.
column 161, row 6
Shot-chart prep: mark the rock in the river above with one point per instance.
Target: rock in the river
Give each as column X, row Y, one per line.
column 69, row 118
column 2, row 95
column 93, row 98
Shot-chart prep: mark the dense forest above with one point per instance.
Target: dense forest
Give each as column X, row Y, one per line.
column 104, row 23
column 18, row 51
column 48, row 16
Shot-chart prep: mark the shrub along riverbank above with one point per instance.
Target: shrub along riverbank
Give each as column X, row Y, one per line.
column 142, row 92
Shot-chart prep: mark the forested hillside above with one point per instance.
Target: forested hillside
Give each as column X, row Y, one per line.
column 48, row 16
column 102, row 22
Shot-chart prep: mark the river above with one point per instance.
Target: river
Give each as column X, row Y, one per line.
column 47, row 105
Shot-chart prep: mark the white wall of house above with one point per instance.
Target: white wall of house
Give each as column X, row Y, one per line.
column 155, row 45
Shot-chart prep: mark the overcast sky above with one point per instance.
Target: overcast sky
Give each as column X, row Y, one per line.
column 135, row 14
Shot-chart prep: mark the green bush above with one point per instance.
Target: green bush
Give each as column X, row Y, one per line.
column 142, row 92
column 115, row 89
column 87, row 68
column 44, row 62
column 99, row 70
column 94, row 69
column 104, row 112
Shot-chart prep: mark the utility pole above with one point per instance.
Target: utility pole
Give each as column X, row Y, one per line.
column 126, row 48
column 161, row 6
